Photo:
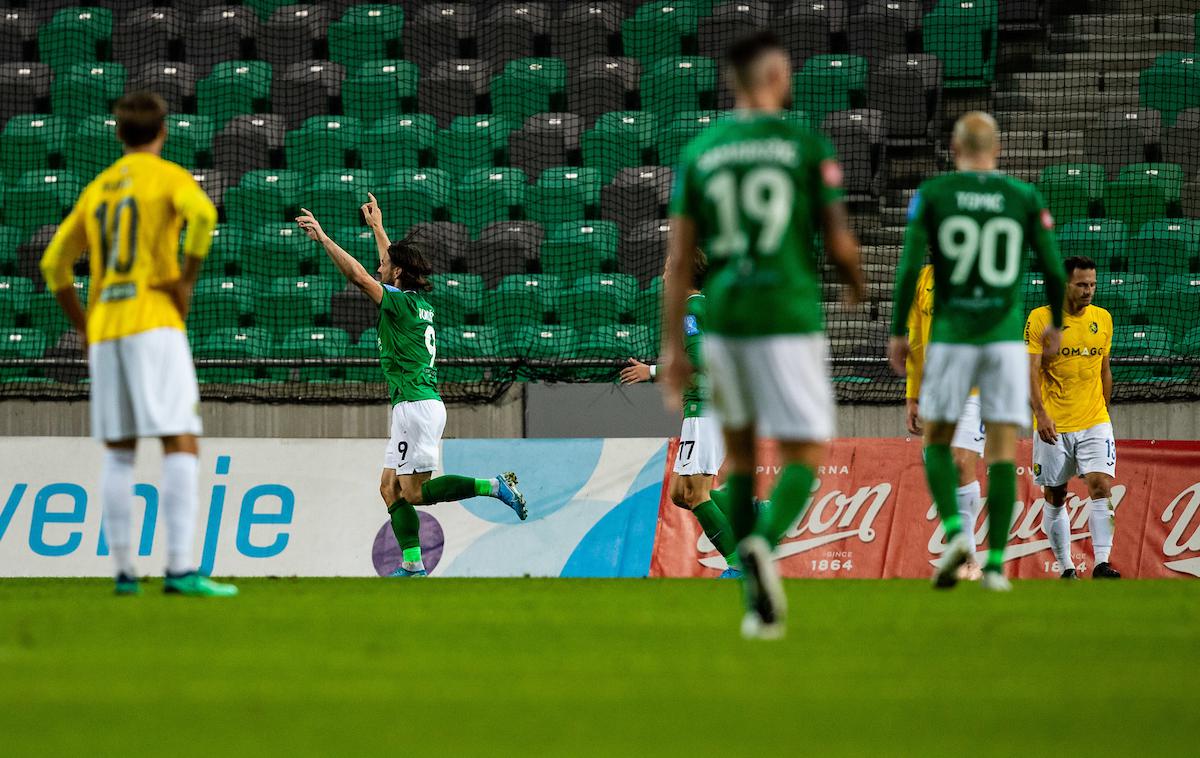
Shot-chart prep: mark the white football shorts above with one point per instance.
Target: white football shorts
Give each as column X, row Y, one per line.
column 778, row 383
column 143, row 385
column 701, row 447
column 1088, row 451
column 416, row 439
column 970, row 432
column 999, row 369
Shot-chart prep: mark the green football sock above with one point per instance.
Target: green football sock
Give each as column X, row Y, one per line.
column 716, row 527
column 412, row 554
column 739, row 488
column 452, row 487
column 406, row 525
column 788, row 501
column 942, row 475
column 1002, row 493
column 720, row 499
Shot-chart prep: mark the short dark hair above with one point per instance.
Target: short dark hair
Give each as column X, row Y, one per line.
column 1078, row 262
column 699, row 269
column 408, row 256
column 140, row 117
column 745, row 51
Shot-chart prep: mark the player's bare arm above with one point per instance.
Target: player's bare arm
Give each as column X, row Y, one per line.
column 676, row 369
column 64, row 249
column 1106, row 380
column 842, row 245
column 637, row 372
column 374, row 218
column 1045, row 425
column 346, row 263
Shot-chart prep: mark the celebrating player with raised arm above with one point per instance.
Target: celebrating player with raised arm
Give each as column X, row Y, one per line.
column 143, row 383
column 407, row 353
column 976, row 223
column 1070, row 392
column 701, row 447
column 752, row 191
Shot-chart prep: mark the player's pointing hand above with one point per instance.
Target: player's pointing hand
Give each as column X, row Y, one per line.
column 635, row 372
column 310, row 225
column 371, row 212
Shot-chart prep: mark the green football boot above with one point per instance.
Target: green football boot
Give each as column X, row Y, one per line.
column 194, row 584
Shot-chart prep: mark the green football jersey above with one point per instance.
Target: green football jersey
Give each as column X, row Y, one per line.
column 696, row 393
column 754, row 185
column 407, row 346
column 976, row 226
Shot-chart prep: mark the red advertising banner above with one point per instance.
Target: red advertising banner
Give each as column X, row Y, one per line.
column 871, row 516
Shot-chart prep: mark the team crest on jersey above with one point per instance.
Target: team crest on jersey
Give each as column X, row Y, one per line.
column 1037, row 469
column 690, row 326
column 1094, row 327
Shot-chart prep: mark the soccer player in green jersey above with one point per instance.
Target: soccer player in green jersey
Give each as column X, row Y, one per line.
column 976, row 224
column 407, row 353
column 752, row 192
column 701, row 447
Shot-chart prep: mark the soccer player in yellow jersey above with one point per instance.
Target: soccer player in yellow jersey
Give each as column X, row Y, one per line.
column 969, row 432
column 1070, row 395
column 143, row 383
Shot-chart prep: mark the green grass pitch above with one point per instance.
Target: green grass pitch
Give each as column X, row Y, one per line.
column 447, row 667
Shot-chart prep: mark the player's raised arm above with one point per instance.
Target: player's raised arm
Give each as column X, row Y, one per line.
column 916, row 246
column 374, row 217
column 64, row 249
column 346, row 263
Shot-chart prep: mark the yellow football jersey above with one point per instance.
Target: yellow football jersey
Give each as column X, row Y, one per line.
column 920, row 319
column 1072, row 385
column 129, row 219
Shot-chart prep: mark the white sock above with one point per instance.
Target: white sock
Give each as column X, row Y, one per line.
column 116, row 496
column 1101, row 520
column 178, row 493
column 495, row 486
column 1058, row 528
column 968, row 508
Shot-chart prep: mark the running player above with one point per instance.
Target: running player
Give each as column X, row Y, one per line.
column 143, row 383
column 701, row 447
column 976, row 222
column 753, row 191
column 407, row 352
column 1070, row 393
column 967, row 445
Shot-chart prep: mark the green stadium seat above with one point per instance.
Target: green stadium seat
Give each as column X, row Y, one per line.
column 672, row 86
column 621, row 139
column 323, row 143
column 264, row 8
column 487, row 195
column 647, row 308
column 1170, row 85
column 277, row 250
column 221, row 302
column 471, row 143
column 366, row 33
column 658, row 29
column 1103, row 240
column 29, row 140
column 16, row 298
column 1189, row 343
column 564, row 194
column 1141, row 342
column 290, row 302
column 829, row 83
column 1034, row 291
column 1142, row 192
column 46, row 316
column 225, row 254
column 234, row 88
column 307, row 342
column 39, row 198
column 598, row 299
column 543, row 342
column 87, row 89
column 1122, row 294
column 10, row 238
column 380, row 89
column 1070, row 189
column 964, row 35
column 265, row 195
column 338, row 194
column 619, row 341
column 681, row 130
column 577, row 248
column 399, row 142
column 365, row 349
column 1165, row 246
column 233, row 344
column 469, row 342
column 94, row 147
column 1174, row 303
column 359, row 241
column 76, row 35
column 804, row 118
column 189, row 140
column 523, row 300
column 413, row 196
column 456, row 298
column 20, row 344
column 527, row 86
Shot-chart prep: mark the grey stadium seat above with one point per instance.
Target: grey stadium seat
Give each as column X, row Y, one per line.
column 1181, row 142
column 1121, row 137
column 18, row 35
column 445, row 245
column 349, row 310
column 879, row 28
column 453, row 88
column 503, row 248
column 511, row 31
column 643, row 249
column 637, row 195
column 807, row 28
column 437, row 32
column 545, row 140
column 146, row 35
column 585, row 30
column 214, row 182
column 908, row 89
column 601, row 85
column 857, row 135
column 728, row 22
column 217, row 34
column 292, row 34
column 306, row 89
column 248, row 142
column 174, row 81
column 26, row 88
